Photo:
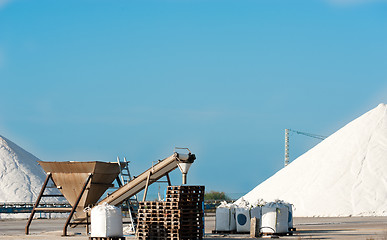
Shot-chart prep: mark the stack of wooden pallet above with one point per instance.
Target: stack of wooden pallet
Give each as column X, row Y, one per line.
column 180, row 217
column 151, row 218
column 184, row 212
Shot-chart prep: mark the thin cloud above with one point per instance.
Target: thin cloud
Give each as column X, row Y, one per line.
column 353, row 2
column 3, row 3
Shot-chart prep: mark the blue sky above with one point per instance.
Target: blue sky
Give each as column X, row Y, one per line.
column 90, row 80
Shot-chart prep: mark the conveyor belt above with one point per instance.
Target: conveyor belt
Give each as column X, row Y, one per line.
column 139, row 183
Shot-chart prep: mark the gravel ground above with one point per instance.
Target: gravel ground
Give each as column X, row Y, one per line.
column 367, row 228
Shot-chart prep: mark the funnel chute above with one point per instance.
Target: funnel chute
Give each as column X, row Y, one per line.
column 81, row 183
column 69, row 177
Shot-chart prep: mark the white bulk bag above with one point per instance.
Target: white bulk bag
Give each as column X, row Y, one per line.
column 282, row 219
column 255, row 212
column 242, row 217
column 225, row 217
column 290, row 215
column 269, row 220
column 274, row 218
column 106, row 221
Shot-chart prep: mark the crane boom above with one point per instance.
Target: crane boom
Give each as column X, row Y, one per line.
column 309, row 134
column 301, row 133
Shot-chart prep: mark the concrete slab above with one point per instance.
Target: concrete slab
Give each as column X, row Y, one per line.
column 367, row 228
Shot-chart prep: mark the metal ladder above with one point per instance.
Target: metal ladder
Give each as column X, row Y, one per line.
column 124, row 168
column 126, row 177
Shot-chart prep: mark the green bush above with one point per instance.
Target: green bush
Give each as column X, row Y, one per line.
column 213, row 195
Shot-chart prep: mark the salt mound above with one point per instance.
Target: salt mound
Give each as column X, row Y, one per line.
column 21, row 176
column 344, row 175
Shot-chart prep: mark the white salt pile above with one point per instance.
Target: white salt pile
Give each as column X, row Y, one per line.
column 345, row 175
column 21, row 176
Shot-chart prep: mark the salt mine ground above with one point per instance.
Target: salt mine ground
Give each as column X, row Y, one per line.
column 367, row 228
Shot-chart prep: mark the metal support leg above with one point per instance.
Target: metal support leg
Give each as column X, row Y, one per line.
column 169, row 180
column 146, row 186
column 87, row 222
column 76, row 204
column 27, row 229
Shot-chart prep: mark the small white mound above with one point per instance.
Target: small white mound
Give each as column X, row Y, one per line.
column 344, row 175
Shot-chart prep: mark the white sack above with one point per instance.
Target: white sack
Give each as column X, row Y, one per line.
column 225, row 217
column 243, row 217
column 106, row 221
column 269, row 220
column 275, row 218
column 282, row 219
column 290, row 216
column 255, row 212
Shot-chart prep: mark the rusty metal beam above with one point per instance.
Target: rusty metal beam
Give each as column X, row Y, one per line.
column 76, row 204
column 27, row 228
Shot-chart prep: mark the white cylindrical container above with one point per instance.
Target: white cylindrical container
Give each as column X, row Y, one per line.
column 275, row 218
column 225, row 218
column 269, row 220
column 106, row 221
column 243, row 217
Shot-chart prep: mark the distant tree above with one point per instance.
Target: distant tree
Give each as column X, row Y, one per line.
column 213, row 195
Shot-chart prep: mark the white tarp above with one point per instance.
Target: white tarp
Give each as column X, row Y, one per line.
column 106, row 221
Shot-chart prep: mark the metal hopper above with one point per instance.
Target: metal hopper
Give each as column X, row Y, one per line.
column 70, row 177
column 81, row 183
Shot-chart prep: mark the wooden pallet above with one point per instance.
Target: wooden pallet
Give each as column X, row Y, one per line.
column 185, row 193
column 107, row 238
column 180, row 217
column 183, row 205
column 190, row 199
column 186, row 223
column 151, row 237
column 172, row 228
column 183, row 211
column 186, row 231
column 183, row 200
column 150, row 208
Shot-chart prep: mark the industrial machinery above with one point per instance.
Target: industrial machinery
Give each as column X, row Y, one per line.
column 83, row 183
column 142, row 181
column 298, row 132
